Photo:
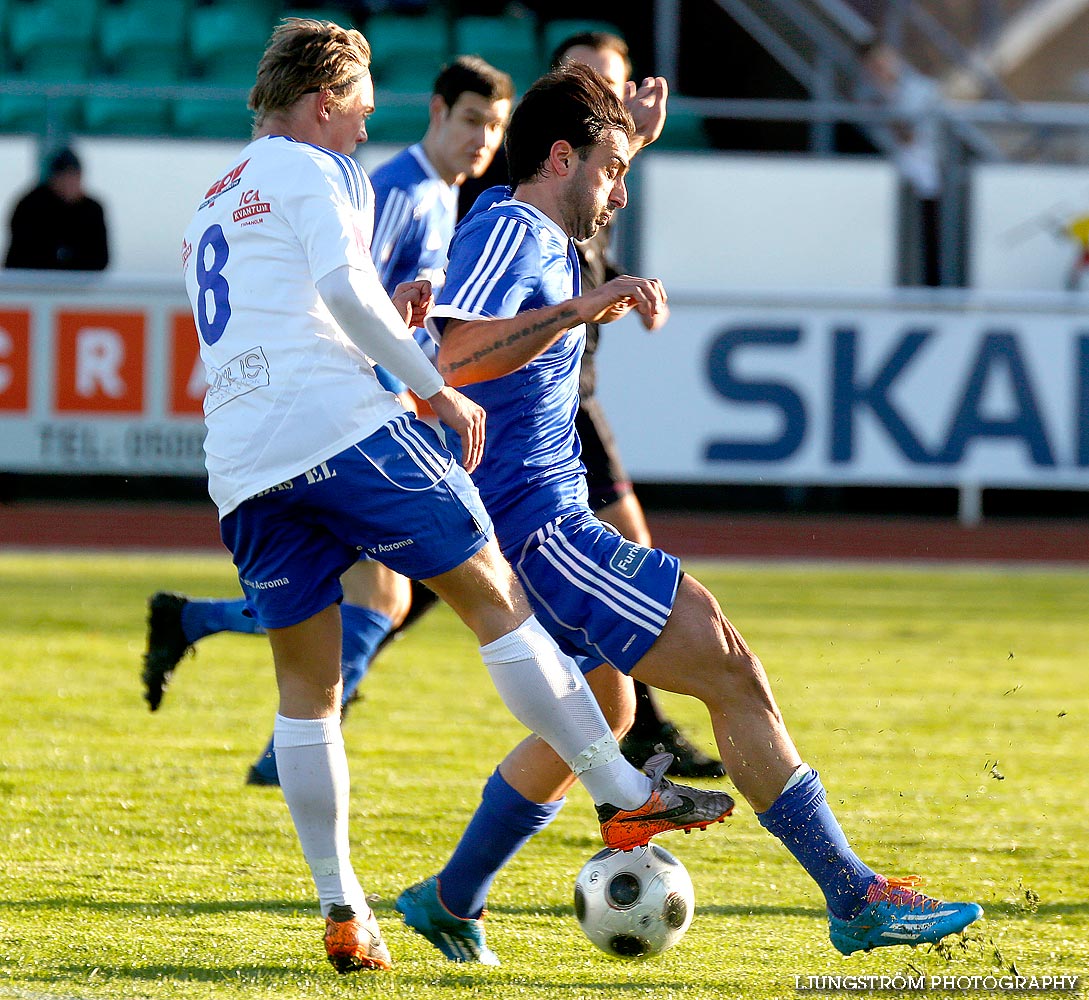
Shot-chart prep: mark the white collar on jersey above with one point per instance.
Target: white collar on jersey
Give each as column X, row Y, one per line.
column 550, row 223
column 418, row 153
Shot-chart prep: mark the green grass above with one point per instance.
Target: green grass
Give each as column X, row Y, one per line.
column 135, row 863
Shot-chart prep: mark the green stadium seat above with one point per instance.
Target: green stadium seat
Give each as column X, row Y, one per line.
column 141, row 42
column 32, row 113
column 397, row 123
column 338, row 15
column 5, row 59
column 209, row 117
column 53, row 39
column 407, row 52
column 559, row 30
column 226, row 40
column 508, row 43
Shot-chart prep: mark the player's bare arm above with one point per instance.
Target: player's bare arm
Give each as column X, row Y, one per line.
column 622, row 294
column 482, row 349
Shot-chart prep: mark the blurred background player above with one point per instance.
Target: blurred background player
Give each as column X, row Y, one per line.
column 57, row 226
column 416, row 196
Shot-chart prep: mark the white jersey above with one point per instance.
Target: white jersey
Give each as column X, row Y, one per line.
column 287, row 389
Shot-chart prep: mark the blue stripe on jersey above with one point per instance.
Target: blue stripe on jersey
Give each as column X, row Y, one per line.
column 388, row 233
column 353, row 174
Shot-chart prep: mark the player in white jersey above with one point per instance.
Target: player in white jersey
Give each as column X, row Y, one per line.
column 415, row 206
column 510, row 319
column 311, row 463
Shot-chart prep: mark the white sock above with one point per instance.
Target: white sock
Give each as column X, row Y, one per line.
column 544, row 690
column 313, row 772
column 798, row 773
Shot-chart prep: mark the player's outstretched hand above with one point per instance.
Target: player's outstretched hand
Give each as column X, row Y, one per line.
column 414, row 301
column 647, row 103
column 619, row 296
column 465, row 417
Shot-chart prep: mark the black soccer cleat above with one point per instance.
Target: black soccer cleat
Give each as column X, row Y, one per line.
column 688, row 761
column 166, row 644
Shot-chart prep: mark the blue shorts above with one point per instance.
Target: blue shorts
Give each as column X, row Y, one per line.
column 598, row 594
column 398, row 497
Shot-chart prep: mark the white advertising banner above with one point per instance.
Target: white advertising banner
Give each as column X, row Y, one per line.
column 893, row 389
column 99, row 375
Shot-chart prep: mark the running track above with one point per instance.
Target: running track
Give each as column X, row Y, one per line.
column 193, row 527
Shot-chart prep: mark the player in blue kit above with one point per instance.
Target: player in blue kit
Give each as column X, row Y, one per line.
column 415, row 211
column 510, row 326
column 311, row 463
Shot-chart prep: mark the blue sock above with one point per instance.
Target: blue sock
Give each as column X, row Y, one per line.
column 502, row 823
column 266, row 765
column 363, row 632
column 202, row 616
column 802, row 819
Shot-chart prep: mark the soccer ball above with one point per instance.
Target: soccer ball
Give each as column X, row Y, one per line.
column 636, row 903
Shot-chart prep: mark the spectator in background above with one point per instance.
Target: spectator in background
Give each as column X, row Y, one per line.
column 917, row 100
column 57, row 226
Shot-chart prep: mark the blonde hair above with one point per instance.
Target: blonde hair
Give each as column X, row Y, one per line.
column 304, row 56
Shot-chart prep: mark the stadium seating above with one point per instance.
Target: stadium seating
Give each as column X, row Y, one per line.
column 508, row 43
column 406, row 55
column 48, row 42
column 226, row 40
column 52, row 38
column 214, row 117
column 406, row 52
column 557, row 31
column 141, row 42
column 338, row 15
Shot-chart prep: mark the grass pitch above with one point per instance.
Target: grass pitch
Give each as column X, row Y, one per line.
column 945, row 709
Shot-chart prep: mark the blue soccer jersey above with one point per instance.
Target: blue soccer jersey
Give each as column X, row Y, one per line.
column 506, row 258
column 415, row 212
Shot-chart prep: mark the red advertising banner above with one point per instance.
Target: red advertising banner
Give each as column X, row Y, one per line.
column 14, row 361
column 99, row 362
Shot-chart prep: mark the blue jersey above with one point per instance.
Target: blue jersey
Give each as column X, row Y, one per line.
column 415, row 212
column 506, row 258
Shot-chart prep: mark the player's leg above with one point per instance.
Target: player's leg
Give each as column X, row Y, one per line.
column 289, row 563
column 541, row 686
column 175, row 623
column 523, row 795
column 612, row 499
column 313, row 774
column 374, row 598
column 652, row 730
column 700, row 653
column 430, row 524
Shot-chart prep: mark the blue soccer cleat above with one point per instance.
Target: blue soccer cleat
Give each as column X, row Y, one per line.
column 896, row 914
column 460, row 939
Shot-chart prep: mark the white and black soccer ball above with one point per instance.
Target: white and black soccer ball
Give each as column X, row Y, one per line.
column 632, row 904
